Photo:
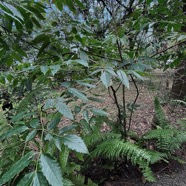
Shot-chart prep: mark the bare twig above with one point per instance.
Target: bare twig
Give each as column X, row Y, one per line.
column 117, row 104
column 137, row 94
column 168, row 48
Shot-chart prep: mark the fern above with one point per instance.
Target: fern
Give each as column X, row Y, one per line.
column 147, row 172
column 159, row 114
column 79, row 180
column 97, row 137
column 115, row 149
column 167, row 140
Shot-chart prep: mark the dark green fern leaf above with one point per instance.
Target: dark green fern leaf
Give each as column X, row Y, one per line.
column 160, row 115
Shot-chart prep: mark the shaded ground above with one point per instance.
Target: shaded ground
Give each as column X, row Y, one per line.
column 172, row 174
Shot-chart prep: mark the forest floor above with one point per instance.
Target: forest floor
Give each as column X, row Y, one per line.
column 167, row 174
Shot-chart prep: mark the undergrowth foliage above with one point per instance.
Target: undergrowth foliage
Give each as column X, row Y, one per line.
column 156, row 145
column 52, row 53
column 167, row 137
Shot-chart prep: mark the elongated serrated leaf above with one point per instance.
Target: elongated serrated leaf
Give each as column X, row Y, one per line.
column 52, row 124
column 39, row 180
column 86, row 84
column 55, row 69
column 13, row 131
column 26, row 180
column 99, row 112
column 83, row 55
column 34, row 123
column 64, row 109
column 49, row 103
column 44, row 69
column 31, row 135
column 12, row 16
column 67, row 129
column 137, row 75
column 51, row 170
column 13, row 10
column 86, row 116
column 106, row 79
column 111, row 71
column 57, row 142
column 74, row 142
column 17, row 167
column 123, row 77
column 78, row 94
column 41, row 38
column 80, row 61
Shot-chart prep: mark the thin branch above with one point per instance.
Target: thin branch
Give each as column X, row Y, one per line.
column 101, row 56
column 105, row 5
column 120, row 3
column 117, row 104
column 137, row 94
column 162, row 51
column 118, row 87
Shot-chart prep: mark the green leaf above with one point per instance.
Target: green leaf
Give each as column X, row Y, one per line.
column 123, row 77
column 44, row 69
column 106, row 79
column 63, row 109
column 78, row 94
column 63, row 157
column 52, row 124
column 34, row 123
column 86, row 116
column 13, row 10
column 51, row 170
column 67, row 129
column 43, row 47
column 49, row 103
column 83, row 55
column 58, row 4
column 111, row 71
column 86, row 84
column 41, row 38
column 80, row 61
column 74, row 142
column 137, row 75
column 31, row 135
column 13, row 131
column 39, row 180
column 16, row 168
column 99, row 112
column 55, row 69
column 57, row 142
column 26, row 180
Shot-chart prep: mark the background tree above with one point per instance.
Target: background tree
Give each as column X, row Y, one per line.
column 179, row 83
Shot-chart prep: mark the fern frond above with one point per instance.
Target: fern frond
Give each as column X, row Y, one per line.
column 79, row 180
column 116, row 148
column 159, row 114
column 97, row 137
column 147, row 172
column 167, row 140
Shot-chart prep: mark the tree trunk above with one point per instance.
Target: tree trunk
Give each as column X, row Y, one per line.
column 179, row 83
